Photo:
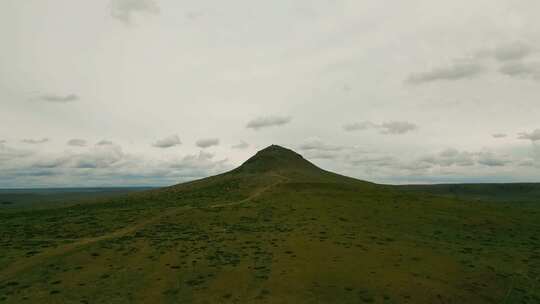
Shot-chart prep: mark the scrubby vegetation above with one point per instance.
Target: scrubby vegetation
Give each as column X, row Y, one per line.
column 276, row 230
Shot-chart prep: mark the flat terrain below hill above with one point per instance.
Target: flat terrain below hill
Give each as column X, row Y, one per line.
column 275, row 230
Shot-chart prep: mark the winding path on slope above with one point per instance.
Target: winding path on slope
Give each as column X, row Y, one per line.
column 23, row 264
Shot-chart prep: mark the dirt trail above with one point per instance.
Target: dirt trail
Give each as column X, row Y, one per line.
column 26, row 263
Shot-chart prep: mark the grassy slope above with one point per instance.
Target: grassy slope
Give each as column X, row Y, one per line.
column 514, row 192
column 49, row 198
column 276, row 230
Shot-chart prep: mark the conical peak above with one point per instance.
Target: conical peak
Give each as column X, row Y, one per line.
column 275, row 158
column 279, row 151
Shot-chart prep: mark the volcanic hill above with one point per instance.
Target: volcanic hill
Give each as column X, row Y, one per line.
column 277, row 229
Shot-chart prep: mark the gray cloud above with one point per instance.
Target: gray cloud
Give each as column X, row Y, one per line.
column 380, row 161
column 59, row 98
column 241, row 145
column 97, row 157
column 104, row 142
column 453, row 72
column 102, row 157
column 268, row 121
column 35, row 141
column 454, row 157
column 523, row 70
column 390, row 127
column 207, row 142
column 513, row 51
column 203, row 160
column 359, row 126
column 415, row 166
column 315, row 148
column 316, row 154
column 2, row 141
column 450, row 157
column 123, row 10
column 527, row 163
column 77, row 142
column 397, row 127
column 492, row 160
column 167, row 142
column 318, row 144
column 499, row 135
column 532, row 136
column 50, row 162
column 7, row 154
column 103, row 165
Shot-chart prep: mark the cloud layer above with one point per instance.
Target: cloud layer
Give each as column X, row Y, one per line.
column 100, row 166
column 382, row 103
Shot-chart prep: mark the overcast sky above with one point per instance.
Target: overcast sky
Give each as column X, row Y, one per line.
column 156, row 92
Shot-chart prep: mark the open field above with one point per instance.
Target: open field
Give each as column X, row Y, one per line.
column 56, row 197
column 275, row 230
column 505, row 193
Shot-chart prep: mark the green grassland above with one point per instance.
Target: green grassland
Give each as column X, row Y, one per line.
column 275, row 230
column 507, row 193
column 56, row 197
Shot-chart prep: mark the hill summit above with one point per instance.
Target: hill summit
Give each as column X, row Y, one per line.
column 276, row 158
